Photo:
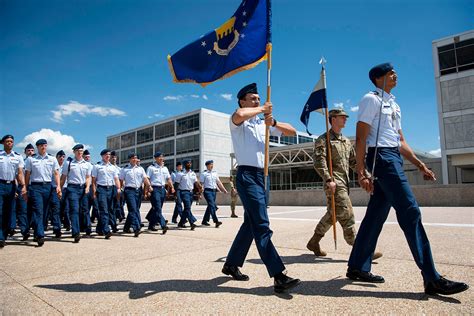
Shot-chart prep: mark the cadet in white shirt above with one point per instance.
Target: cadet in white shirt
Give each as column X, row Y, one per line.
column 178, row 206
column 11, row 167
column 248, row 139
column 119, row 212
column 40, row 170
column 186, row 181
column 77, row 173
column 132, row 177
column 105, row 187
column 211, row 183
column 159, row 177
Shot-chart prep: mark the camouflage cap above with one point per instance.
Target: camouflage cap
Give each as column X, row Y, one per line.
column 337, row 112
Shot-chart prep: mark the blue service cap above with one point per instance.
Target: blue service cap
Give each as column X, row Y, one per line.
column 29, row 146
column 4, row 138
column 131, row 155
column 209, row 162
column 186, row 160
column 41, row 141
column 104, row 151
column 87, row 152
column 78, row 146
column 250, row 88
column 179, row 163
column 158, row 154
column 379, row 71
column 60, row 153
column 113, row 153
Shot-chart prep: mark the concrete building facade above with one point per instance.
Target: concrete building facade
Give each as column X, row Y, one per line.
column 453, row 59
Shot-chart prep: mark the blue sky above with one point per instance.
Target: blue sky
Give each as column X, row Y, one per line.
column 77, row 71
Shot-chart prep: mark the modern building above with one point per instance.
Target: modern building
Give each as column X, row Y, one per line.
column 200, row 135
column 453, row 59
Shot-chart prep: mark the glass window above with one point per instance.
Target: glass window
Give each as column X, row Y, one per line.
column 145, row 152
column 447, row 60
column 127, row 140
column 274, row 139
column 164, row 130
column 170, row 164
column 145, row 135
column 465, row 55
column 145, row 164
column 167, row 147
column 288, row 140
column 187, row 144
column 195, row 163
column 187, row 124
column 456, row 57
column 304, row 139
column 113, row 143
column 124, row 156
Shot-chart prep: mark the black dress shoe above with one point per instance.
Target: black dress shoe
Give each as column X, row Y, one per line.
column 165, row 229
column 12, row 233
column 182, row 226
column 283, row 283
column 174, row 222
column 2, row 243
column 127, row 231
column 108, row 235
column 235, row 273
column 166, row 222
column 77, row 238
column 67, row 228
column 114, row 230
column 26, row 236
column 152, row 228
column 445, row 287
column 205, row 224
column 40, row 242
column 357, row 275
column 193, row 226
column 218, row 224
column 137, row 233
column 58, row 234
column 142, row 225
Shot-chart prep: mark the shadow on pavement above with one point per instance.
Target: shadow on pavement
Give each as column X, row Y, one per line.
column 303, row 258
column 330, row 288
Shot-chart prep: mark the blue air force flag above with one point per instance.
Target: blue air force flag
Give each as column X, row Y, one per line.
column 238, row 44
column 317, row 100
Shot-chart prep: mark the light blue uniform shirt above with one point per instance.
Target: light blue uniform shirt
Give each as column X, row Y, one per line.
column 41, row 168
column 391, row 123
column 157, row 174
column 78, row 172
column 248, row 140
column 173, row 175
column 105, row 173
column 186, row 180
column 209, row 179
column 132, row 176
column 9, row 165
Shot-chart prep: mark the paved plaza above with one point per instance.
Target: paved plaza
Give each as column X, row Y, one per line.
column 179, row 273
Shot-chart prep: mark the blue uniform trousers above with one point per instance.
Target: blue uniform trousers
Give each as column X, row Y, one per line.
column 210, row 196
column 94, row 213
column 118, row 207
column 40, row 195
column 251, row 188
column 392, row 189
column 77, row 201
column 132, row 197
column 85, row 214
column 178, row 207
column 187, row 198
column 7, row 195
column 64, row 210
column 113, row 210
column 105, row 199
column 54, row 211
column 19, row 207
column 155, row 215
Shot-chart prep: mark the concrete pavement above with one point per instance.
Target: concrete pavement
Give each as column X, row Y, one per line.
column 180, row 271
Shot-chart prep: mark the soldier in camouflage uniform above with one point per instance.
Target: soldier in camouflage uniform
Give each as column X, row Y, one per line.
column 233, row 197
column 343, row 158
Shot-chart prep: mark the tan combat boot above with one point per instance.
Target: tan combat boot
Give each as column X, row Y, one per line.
column 377, row 255
column 313, row 245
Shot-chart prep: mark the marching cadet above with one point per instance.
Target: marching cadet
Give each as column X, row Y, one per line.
column 11, row 167
column 211, row 183
column 248, row 139
column 186, row 182
column 379, row 127
column 63, row 203
column 77, row 174
column 159, row 176
column 40, row 170
column 90, row 216
column 118, row 203
column 105, row 178
column 178, row 207
column 233, row 197
column 54, row 208
column 132, row 177
column 343, row 158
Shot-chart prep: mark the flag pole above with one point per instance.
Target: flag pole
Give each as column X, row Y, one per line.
column 329, row 153
column 269, row 94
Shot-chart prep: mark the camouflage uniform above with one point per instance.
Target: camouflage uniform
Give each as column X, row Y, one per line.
column 233, row 197
column 343, row 158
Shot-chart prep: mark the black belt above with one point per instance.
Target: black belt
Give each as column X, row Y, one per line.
column 6, row 181
column 213, row 190
column 76, row 185
column 185, row 190
column 105, row 186
column 40, row 183
column 157, row 186
column 250, row 168
column 132, row 188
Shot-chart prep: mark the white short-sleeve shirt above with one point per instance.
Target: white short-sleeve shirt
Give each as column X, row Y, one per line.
column 41, row 168
column 157, row 174
column 186, row 180
column 105, row 173
column 132, row 177
column 10, row 164
column 78, row 172
column 209, row 179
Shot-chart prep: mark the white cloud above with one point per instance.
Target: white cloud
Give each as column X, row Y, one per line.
column 339, row 105
column 56, row 141
column 354, row 108
column 436, row 152
column 156, row 115
column 205, row 97
column 195, row 96
column 226, row 96
column 173, row 98
column 74, row 107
